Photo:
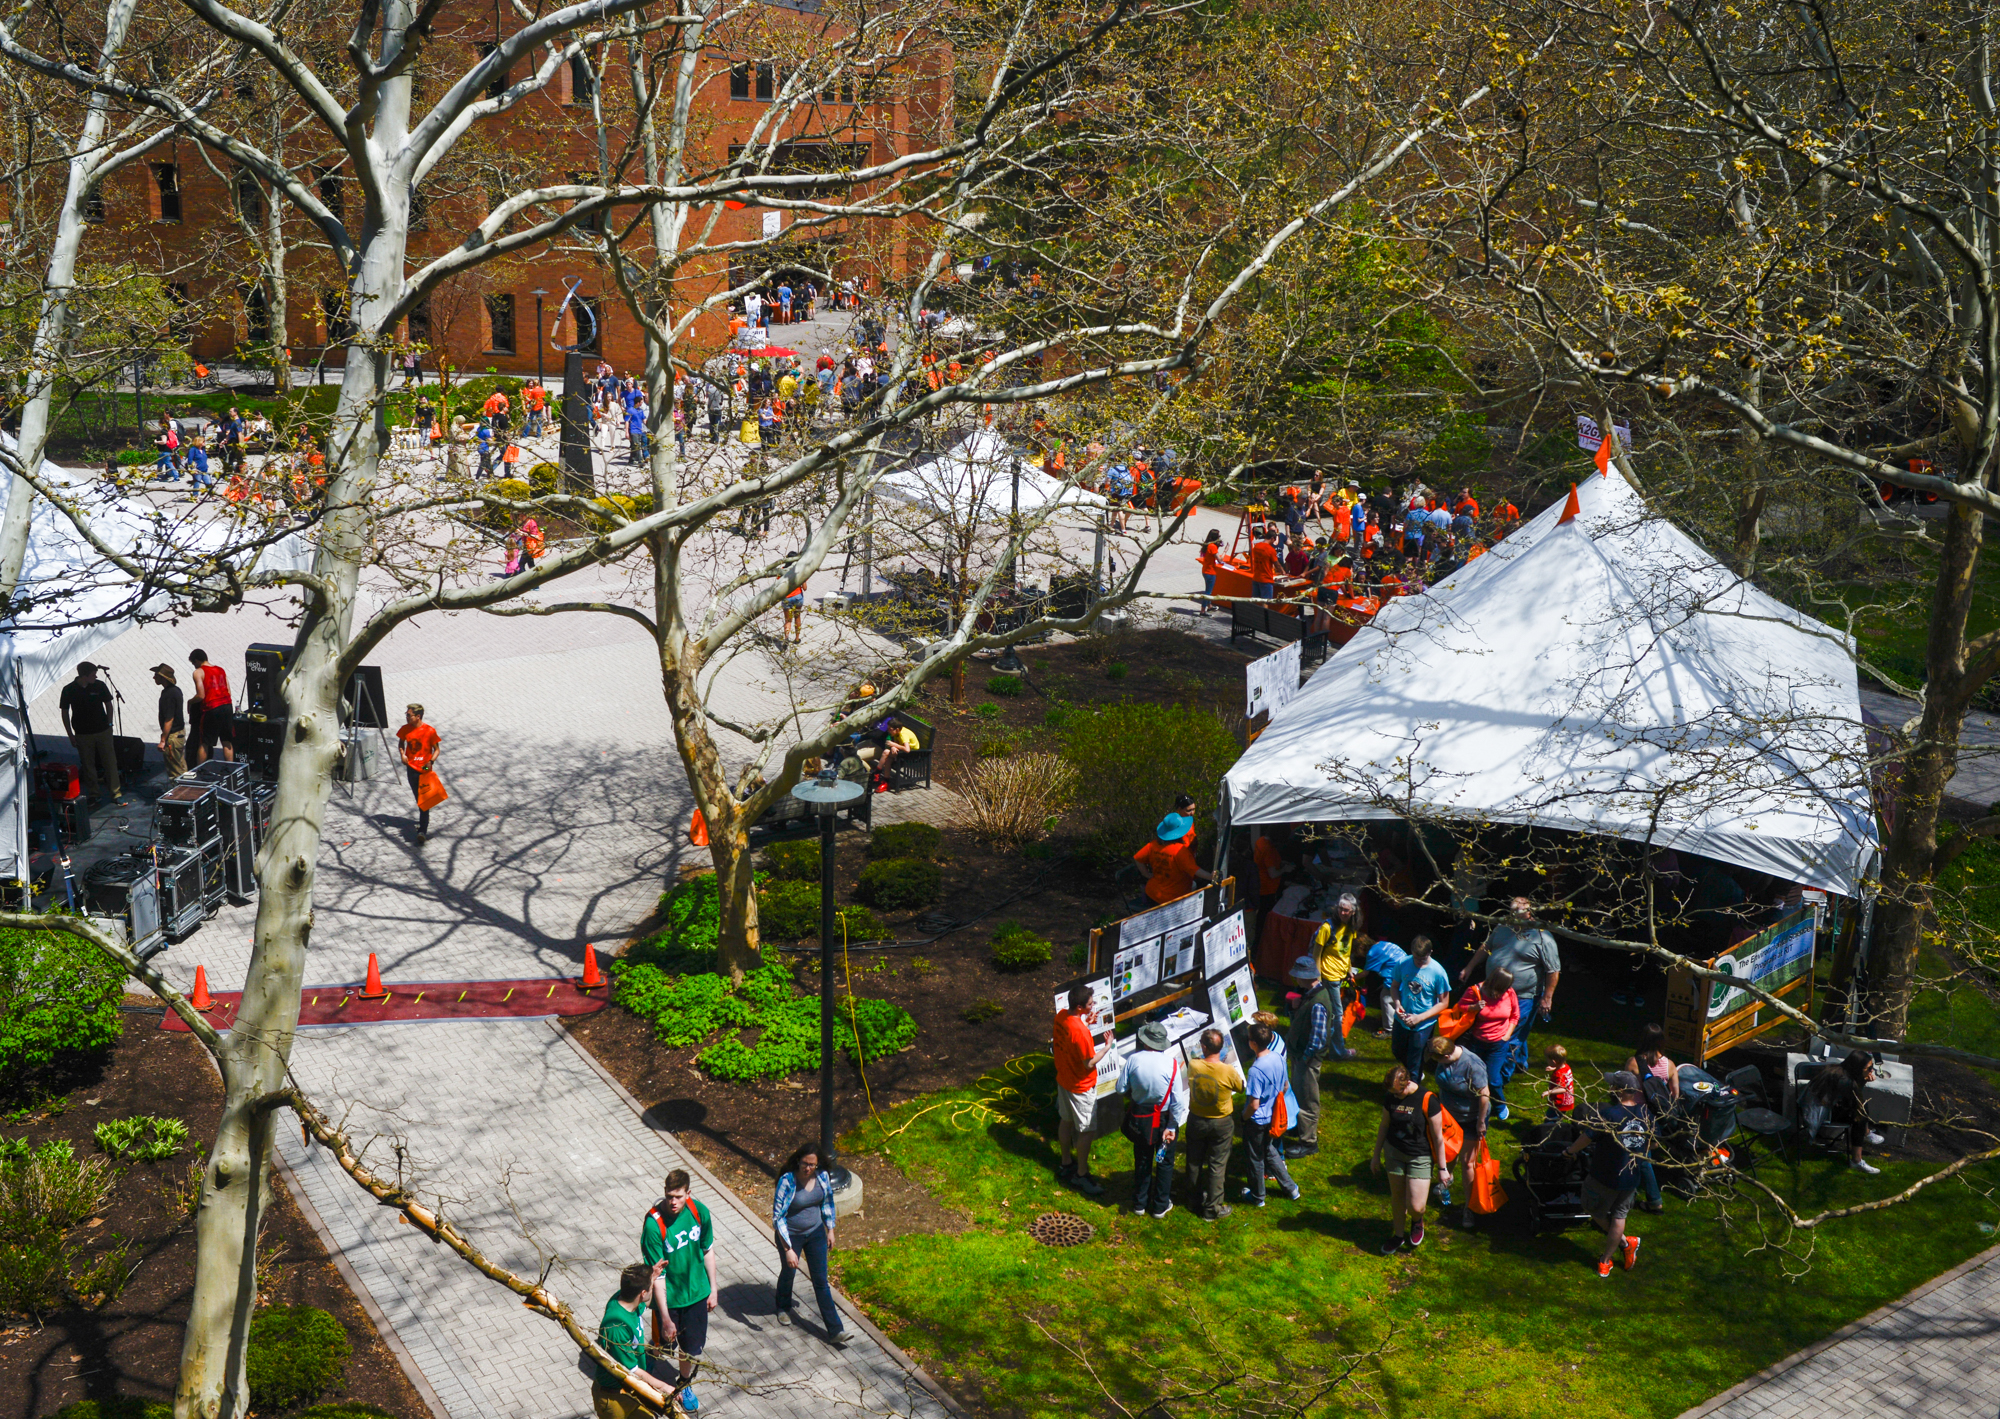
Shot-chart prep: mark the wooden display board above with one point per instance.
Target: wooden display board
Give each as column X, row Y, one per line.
column 1704, row 1017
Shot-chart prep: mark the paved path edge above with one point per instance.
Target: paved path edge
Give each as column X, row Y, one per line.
column 847, row 1305
column 1847, row 1331
column 375, row 1314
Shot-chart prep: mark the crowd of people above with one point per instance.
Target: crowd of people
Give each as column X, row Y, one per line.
column 1458, row 1041
column 656, row 1323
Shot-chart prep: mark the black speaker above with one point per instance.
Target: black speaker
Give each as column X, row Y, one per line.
column 259, row 739
column 239, row 869
column 361, row 701
column 223, row 773
column 214, row 883
column 264, row 668
column 126, row 887
column 178, row 874
column 131, row 752
column 262, row 797
column 186, row 814
column 72, row 819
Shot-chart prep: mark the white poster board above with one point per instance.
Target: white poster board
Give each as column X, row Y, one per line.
column 1158, row 921
column 1225, row 945
column 1232, row 999
column 774, row 222
column 1179, row 951
column 1272, row 682
column 1135, row 967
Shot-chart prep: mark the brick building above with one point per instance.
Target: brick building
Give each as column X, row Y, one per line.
column 173, row 213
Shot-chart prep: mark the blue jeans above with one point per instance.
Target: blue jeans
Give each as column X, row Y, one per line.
column 1266, row 589
column 1515, row 1059
column 1267, row 1158
column 1494, row 1054
column 812, row 1251
column 1649, row 1181
column 1407, row 1043
column 1152, row 1182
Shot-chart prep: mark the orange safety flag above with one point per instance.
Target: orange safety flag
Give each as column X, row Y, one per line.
column 1488, row 1196
column 1604, row 455
column 698, row 829
column 430, row 790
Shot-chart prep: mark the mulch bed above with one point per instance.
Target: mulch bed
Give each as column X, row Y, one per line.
column 744, row 1131
column 132, row 1345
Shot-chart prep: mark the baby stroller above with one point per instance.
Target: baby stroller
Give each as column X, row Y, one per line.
column 1551, row 1179
column 1691, row 1139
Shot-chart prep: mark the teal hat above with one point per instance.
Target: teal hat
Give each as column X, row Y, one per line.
column 1174, row 827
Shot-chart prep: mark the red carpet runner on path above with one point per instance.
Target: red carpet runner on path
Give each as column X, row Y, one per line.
column 459, row 1000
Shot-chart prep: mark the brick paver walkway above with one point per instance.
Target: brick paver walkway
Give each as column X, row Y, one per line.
column 1935, row 1353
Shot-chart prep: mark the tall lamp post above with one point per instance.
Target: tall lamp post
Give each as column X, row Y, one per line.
column 539, row 292
column 827, row 795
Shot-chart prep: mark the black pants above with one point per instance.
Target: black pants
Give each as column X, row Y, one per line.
column 1152, row 1174
column 423, row 814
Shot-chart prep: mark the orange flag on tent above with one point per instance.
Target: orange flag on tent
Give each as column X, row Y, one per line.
column 1604, row 454
column 1570, row 508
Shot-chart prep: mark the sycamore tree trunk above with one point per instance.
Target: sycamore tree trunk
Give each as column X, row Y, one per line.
column 236, row 1186
column 88, row 164
column 1910, row 855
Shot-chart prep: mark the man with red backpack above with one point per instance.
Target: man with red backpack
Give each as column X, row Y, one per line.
column 680, row 1231
column 1156, row 1107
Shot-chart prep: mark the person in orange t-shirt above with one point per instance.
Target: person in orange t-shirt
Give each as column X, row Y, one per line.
column 420, row 748
column 1263, row 565
column 1171, row 860
column 1270, row 871
column 1077, row 1053
column 1210, row 550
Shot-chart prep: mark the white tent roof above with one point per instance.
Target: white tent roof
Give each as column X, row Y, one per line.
column 977, row 475
column 1605, row 676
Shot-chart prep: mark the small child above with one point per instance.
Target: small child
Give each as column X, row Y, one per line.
column 1561, row 1092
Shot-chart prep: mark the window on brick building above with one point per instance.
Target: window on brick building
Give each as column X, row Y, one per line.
column 330, row 193
column 256, row 314
column 249, row 198
column 167, row 183
column 180, row 324
column 589, row 324
column 498, row 84
column 767, row 80
column 500, row 323
column 333, row 306
column 93, row 205
column 420, row 323
column 582, row 83
column 739, row 81
column 595, row 221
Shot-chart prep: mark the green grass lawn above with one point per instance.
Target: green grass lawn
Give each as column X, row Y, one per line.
column 1493, row 1323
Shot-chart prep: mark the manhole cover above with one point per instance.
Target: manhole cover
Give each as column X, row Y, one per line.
column 1059, row 1229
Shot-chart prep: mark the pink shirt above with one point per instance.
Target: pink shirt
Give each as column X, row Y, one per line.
column 1497, row 1018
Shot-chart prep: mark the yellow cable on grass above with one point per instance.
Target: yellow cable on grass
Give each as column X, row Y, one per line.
column 854, row 1024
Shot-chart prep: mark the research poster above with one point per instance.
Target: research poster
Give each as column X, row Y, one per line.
column 1225, row 946
column 1135, row 967
column 1232, row 999
column 1180, row 953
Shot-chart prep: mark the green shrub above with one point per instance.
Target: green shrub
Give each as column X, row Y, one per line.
column 987, row 711
column 122, row 1407
column 790, row 910
column 794, row 862
column 1079, row 956
column 693, row 913
column 544, row 478
column 880, row 1027
column 1006, row 686
column 1015, row 948
column 1115, row 670
column 142, row 1137
column 340, row 1410
column 58, row 1000
column 900, row 883
column 1131, row 760
column 502, row 519
column 296, row 1353
column 982, row 1010
column 904, row 840
column 45, row 1194
column 994, row 746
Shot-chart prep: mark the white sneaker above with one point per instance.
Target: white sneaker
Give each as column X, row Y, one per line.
column 1862, row 1165
column 1873, row 1139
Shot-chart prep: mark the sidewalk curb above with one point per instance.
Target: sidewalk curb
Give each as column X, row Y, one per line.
column 1848, row 1331
column 847, row 1306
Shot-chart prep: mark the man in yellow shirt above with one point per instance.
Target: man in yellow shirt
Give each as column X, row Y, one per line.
column 1213, row 1084
column 1333, row 953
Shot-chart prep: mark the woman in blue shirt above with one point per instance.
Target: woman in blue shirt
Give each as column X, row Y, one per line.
column 802, row 1219
column 1418, row 992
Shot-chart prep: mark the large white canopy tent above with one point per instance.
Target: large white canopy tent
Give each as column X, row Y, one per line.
column 1599, row 675
column 81, row 602
column 976, row 476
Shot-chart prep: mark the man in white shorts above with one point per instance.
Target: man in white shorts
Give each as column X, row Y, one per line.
column 1077, row 1056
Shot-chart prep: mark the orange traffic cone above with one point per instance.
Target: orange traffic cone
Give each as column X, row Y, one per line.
column 698, row 829
column 373, row 989
column 201, row 1000
column 593, row 979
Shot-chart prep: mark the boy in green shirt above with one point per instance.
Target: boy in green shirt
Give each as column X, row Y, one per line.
column 622, row 1334
column 678, row 1233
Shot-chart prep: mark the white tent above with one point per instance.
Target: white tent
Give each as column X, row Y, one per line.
column 976, row 475
column 1603, row 675
column 81, row 603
